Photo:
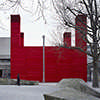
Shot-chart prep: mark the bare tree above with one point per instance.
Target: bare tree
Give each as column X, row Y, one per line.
column 31, row 7
column 67, row 10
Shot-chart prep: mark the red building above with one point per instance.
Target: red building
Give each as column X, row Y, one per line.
column 59, row 62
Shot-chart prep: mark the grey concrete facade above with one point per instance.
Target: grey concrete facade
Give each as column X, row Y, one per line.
column 4, row 57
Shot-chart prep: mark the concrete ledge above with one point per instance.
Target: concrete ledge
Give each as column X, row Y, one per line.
column 69, row 94
column 73, row 89
column 48, row 97
column 79, row 85
column 14, row 81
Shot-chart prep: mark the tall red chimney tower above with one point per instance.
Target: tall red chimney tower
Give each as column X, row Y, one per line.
column 15, row 31
column 22, row 39
column 81, row 31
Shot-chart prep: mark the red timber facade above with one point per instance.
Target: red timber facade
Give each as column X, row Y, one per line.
column 59, row 62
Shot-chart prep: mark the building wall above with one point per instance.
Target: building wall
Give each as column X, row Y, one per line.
column 4, row 57
column 4, row 47
column 81, row 31
column 59, row 62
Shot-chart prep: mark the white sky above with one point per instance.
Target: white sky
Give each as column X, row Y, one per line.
column 33, row 30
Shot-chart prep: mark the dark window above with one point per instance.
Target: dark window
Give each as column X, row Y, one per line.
column 0, row 73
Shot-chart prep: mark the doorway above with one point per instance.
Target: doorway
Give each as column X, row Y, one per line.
column 0, row 73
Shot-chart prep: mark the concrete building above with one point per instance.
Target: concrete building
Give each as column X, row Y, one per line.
column 4, row 57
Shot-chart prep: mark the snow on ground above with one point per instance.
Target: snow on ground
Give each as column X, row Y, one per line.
column 12, row 92
column 90, row 85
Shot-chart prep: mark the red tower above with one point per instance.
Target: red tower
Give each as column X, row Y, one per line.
column 15, row 30
column 81, row 31
column 22, row 39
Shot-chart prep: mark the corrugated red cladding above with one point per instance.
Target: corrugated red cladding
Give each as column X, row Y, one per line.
column 59, row 62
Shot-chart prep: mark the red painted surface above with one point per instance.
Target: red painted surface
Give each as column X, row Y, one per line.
column 81, row 21
column 59, row 62
column 22, row 39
